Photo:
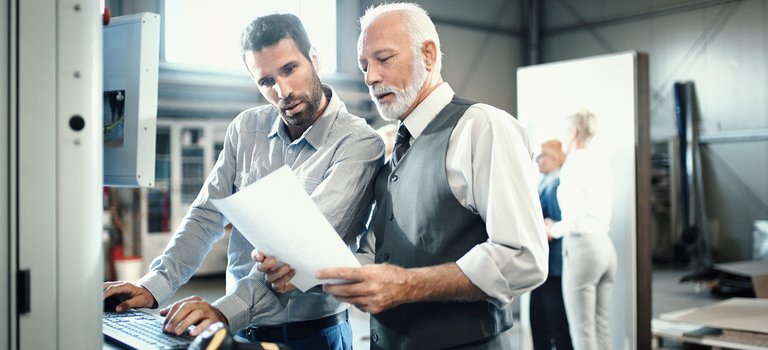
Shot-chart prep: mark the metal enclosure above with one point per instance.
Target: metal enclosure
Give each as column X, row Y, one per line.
column 51, row 174
column 131, row 52
column 5, row 200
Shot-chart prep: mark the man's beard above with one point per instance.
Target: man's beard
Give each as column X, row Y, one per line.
column 404, row 98
column 311, row 101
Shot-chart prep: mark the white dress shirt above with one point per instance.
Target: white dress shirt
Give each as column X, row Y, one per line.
column 490, row 172
column 584, row 194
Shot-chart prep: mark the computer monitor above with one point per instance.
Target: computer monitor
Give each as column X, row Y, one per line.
column 131, row 54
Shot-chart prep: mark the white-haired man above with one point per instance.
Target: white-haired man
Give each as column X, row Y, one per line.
column 458, row 218
column 458, row 231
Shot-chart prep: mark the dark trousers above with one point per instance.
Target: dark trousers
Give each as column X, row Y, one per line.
column 549, row 324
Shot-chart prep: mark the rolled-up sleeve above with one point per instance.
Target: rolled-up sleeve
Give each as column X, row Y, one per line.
column 491, row 172
column 199, row 229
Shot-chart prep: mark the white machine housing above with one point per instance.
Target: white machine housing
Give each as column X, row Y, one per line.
column 131, row 54
column 51, row 128
column 52, row 161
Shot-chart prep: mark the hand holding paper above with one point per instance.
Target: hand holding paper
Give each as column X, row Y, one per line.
column 279, row 275
column 279, row 219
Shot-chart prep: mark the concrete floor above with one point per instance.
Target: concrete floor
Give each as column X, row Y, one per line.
column 668, row 295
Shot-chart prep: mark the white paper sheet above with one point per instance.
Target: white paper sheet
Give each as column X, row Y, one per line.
column 277, row 217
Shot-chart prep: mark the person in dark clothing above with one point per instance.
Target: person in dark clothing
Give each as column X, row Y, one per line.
column 549, row 323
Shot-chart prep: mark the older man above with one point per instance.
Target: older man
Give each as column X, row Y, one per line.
column 336, row 155
column 458, row 228
column 458, row 231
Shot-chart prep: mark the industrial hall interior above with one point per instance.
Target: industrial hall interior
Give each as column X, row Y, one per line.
column 376, row 174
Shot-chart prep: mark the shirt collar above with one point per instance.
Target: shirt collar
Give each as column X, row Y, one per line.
column 548, row 178
column 428, row 109
column 551, row 176
column 318, row 131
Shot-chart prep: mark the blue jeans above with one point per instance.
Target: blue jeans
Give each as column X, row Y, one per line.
column 337, row 337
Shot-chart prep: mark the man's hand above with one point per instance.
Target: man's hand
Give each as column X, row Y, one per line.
column 135, row 295
column 190, row 311
column 548, row 225
column 278, row 276
column 373, row 288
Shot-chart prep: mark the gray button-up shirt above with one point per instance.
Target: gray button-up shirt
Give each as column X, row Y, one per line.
column 336, row 160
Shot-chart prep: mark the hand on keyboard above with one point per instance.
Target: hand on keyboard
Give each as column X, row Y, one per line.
column 134, row 296
column 139, row 330
column 190, row 311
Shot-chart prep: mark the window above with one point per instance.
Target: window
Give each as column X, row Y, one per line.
column 207, row 32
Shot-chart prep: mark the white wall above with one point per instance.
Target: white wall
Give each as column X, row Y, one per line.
column 619, row 121
column 723, row 49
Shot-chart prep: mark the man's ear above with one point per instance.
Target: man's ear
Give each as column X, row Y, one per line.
column 315, row 58
column 429, row 49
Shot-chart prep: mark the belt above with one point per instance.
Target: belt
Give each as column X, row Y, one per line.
column 293, row 330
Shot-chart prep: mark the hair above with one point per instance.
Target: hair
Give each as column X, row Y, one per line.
column 586, row 125
column 555, row 146
column 268, row 30
column 419, row 25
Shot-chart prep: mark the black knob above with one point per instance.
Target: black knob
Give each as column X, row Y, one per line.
column 76, row 122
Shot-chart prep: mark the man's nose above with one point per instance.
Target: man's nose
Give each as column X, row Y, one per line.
column 282, row 88
column 372, row 76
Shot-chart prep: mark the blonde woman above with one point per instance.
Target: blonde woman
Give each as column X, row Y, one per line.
column 589, row 257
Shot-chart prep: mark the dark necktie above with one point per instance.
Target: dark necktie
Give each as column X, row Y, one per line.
column 401, row 143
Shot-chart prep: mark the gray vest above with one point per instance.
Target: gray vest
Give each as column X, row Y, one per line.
column 419, row 222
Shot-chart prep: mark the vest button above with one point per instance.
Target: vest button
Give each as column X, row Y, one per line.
column 394, row 178
column 375, row 338
column 391, row 217
column 385, row 257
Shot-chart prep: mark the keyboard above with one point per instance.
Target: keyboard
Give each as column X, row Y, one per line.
column 140, row 330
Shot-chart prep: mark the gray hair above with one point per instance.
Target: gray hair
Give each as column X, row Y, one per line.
column 585, row 123
column 420, row 26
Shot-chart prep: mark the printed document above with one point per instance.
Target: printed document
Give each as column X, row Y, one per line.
column 277, row 217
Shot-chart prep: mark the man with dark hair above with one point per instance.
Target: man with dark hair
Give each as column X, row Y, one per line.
column 269, row 29
column 333, row 153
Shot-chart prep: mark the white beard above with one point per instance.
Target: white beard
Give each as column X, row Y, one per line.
column 404, row 98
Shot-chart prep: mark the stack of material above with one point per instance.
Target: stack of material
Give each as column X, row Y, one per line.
column 743, row 278
column 741, row 321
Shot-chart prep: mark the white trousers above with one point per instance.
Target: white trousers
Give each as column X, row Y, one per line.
column 589, row 267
